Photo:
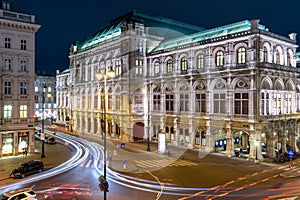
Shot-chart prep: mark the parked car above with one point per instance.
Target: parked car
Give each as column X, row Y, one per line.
column 27, row 168
column 20, row 194
column 50, row 140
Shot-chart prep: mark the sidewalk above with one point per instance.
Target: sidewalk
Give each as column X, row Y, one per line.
column 51, row 159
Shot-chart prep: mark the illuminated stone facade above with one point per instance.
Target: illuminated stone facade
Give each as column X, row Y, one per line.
column 233, row 88
column 17, row 60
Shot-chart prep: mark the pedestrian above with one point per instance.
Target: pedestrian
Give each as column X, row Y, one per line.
column 124, row 164
column 290, row 166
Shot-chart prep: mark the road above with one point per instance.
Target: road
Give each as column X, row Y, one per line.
column 161, row 177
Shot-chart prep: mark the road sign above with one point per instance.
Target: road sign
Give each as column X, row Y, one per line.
column 291, row 153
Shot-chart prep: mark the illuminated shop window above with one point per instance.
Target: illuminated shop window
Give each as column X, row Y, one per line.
column 23, row 139
column 7, row 143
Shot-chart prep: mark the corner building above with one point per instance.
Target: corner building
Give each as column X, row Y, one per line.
column 233, row 88
column 17, row 66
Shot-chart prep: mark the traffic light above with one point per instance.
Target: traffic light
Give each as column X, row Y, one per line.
column 103, row 184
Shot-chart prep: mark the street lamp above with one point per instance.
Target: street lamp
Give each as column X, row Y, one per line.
column 256, row 145
column 43, row 120
column 100, row 76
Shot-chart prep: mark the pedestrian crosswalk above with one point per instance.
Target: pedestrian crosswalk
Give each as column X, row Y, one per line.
column 88, row 163
column 162, row 163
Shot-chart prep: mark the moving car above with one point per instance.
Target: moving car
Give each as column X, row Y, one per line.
column 27, row 168
column 50, row 140
column 68, row 192
column 20, row 194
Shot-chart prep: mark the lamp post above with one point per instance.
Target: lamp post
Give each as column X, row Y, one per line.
column 148, row 117
column 100, row 76
column 256, row 145
column 43, row 120
column 70, row 111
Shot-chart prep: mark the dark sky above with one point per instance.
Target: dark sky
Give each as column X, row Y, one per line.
column 64, row 21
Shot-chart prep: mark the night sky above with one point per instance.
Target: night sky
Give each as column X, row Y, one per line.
column 64, row 21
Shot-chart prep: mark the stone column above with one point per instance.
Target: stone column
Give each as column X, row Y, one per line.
column 16, row 143
column 209, row 140
column 1, row 145
column 176, row 136
column 191, row 144
column 229, row 141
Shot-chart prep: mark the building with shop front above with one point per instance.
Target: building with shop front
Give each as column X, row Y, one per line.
column 45, row 87
column 17, row 65
column 229, row 88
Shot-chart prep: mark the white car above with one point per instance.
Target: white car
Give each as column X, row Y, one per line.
column 20, row 194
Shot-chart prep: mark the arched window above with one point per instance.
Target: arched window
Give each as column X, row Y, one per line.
column 187, row 135
column 197, row 137
column 169, row 66
column 156, row 68
column 184, row 64
column 203, row 138
column 220, row 59
column 265, row 54
column 241, row 55
column 200, row 61
column 277, row 57
column 288, row 59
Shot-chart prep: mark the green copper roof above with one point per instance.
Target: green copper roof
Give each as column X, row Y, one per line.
column 209, row 34
column 159, row 26
column 298, row 57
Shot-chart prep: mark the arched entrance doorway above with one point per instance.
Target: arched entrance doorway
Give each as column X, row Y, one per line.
column 241, row 143
column 138, row 131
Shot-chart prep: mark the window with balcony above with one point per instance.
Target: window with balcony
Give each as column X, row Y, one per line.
column 184, row 64
column 264, row 54
column 241, row 103
column 7, row 64
column 7, row 114
column 6, row 5
column 23, row 45
column 184, row 102
column 7, row 42
column 265, row 103
column 200, row 102
column 288, row 59
column 241, row 55
column 156, row 68
column 219, row 103
column 277, row 57
column 23, row 88
column 156, row 101
column 200, row 61
column 277, row 103
column 169, row 102
column 23, row 111
column 23, row 65
column 118, row 68
column 7, row 87
column 220, row 59
column 169, row 66
column 138, row 67
column 118, row 101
